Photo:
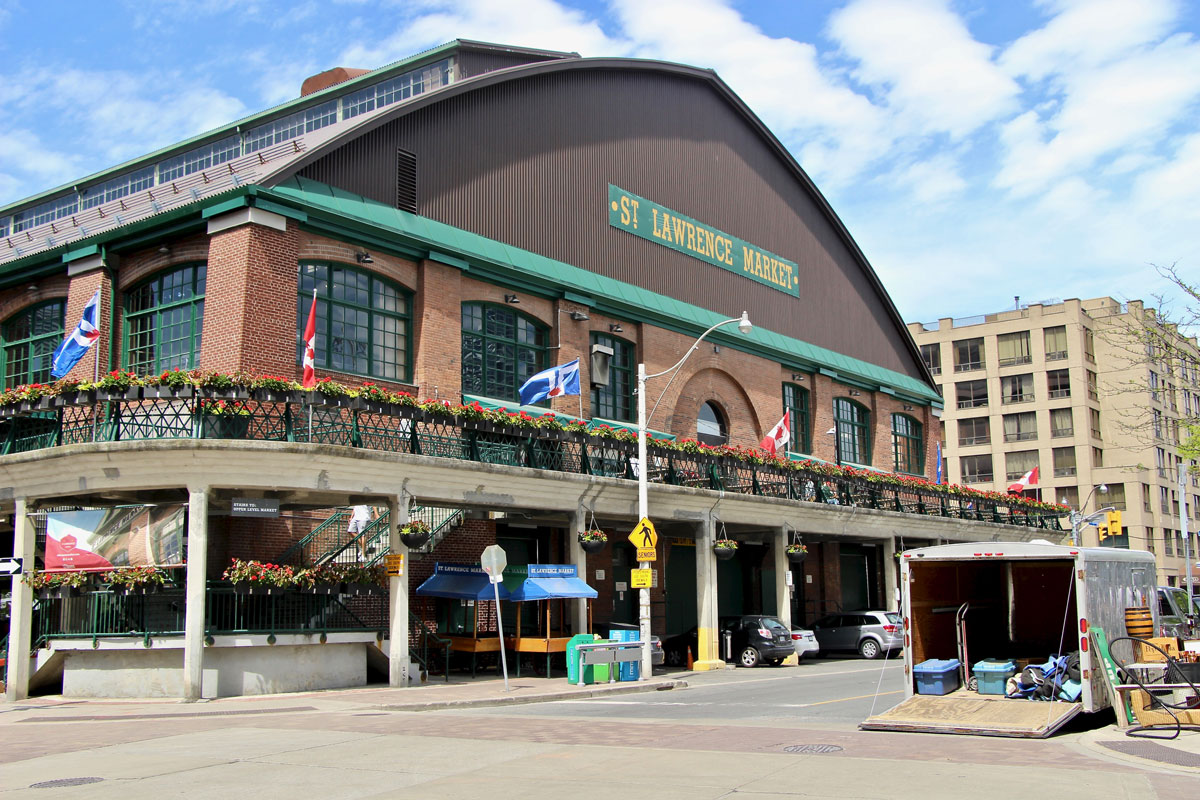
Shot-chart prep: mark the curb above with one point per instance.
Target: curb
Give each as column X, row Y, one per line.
column 508, row 700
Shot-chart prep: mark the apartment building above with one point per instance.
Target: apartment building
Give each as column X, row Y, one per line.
column 1071, row 389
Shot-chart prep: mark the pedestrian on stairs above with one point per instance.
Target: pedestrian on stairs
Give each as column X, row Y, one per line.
column 360, row 518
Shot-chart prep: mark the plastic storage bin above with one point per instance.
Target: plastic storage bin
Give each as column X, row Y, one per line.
column 992, row 674
column 626, row 671
column 937, row 676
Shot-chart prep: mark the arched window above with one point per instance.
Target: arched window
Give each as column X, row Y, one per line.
column 30, row 337
column 363, row 322
column 163, row 320
column 853, row 424
column 908, row 446
column 710, row 425
column 795, row 400
column 501, row 349
column 615, row 401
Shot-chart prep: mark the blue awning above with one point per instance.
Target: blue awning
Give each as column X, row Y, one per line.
column 460, row 582
column 552, row 582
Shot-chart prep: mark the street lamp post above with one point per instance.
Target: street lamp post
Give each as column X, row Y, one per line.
column 1077, row 517
column 743, row 323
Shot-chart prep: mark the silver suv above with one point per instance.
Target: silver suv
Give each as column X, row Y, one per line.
column 871, row 633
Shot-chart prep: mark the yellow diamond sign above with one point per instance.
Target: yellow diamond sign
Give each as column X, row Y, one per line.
column 644, row 535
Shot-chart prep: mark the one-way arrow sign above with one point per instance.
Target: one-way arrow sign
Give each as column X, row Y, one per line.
column 10, row 566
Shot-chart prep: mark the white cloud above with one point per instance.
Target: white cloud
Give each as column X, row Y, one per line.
column 22, row 152
column 935, row 76
column 932, row 181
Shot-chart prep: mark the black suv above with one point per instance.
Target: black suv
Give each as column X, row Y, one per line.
column 753, row 639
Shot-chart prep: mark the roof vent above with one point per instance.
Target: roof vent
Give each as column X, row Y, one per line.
column 330, row 77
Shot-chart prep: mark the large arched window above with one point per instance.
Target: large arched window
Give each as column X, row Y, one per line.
column 710, row 425
column 501, row 349
column 30, row 337
column 615, row 401
column 163, row 320
column 908, row 446
column 795, row 400
column 853, row 427
column 363, row 322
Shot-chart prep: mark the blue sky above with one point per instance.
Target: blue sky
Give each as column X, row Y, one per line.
column 976, row 149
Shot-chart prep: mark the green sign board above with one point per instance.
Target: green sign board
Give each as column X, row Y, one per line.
column 659, row 224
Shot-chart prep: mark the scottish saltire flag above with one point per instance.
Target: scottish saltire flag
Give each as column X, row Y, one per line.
column 553, row 382
column 72, row 348
column 939, row 462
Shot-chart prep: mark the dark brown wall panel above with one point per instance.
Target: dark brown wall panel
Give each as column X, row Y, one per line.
column 528, row 162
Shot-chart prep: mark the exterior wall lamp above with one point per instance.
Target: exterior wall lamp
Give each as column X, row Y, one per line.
column 615, row 327
column 364, row 258
column 512, row 299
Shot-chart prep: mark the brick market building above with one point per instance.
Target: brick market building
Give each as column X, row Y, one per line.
column 467, row 217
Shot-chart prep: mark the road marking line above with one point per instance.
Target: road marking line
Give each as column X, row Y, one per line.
column 787, row 677
column 839, row 700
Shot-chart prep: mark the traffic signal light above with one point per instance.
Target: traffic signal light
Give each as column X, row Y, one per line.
column 1111, row 525
column 1102, row 529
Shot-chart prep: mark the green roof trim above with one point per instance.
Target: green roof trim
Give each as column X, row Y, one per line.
column 504, row 264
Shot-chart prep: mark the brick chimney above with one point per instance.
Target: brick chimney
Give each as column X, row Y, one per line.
column 330, row 77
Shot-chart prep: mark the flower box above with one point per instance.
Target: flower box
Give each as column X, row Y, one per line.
column 378, row 407
column 80, row 397
column 253, row 589
column 315, row 398
column 277, row 395
column 361, row 588
column 325, row 588
column 171, row 392
column 60, row 592
column 119, row 393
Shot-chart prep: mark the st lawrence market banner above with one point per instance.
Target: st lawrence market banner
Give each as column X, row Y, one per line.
column 115, row 537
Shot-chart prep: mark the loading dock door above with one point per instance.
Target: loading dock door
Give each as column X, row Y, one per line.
column 970, row 713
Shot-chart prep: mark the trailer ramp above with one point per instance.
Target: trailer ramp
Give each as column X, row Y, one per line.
column 969, row 713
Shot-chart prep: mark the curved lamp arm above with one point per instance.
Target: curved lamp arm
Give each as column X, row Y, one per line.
column 744, row 325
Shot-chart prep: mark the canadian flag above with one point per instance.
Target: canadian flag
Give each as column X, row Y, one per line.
column 310, row 346
column 778, row 436
column 1027, row 480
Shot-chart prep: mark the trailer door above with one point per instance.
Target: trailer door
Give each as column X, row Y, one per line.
column 971, row 713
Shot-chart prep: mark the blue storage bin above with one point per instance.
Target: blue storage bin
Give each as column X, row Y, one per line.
column 937, row 676
column 992, row 674
column 628, row 671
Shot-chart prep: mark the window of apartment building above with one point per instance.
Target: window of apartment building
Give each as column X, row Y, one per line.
column 1153, row 385
column 1171, row 397
column 795, row 400
column 1097, row 457
column 1164, row 500
column 1064, row 462
column 1013, row 348
column 1168, row 542
column 30, row 337
column 1160, row 461
column 1147, row 498
column 1093, row 391
column 1058, row 383
column 1094, row 415
column 968, row 354
column 1019, row 462
column 1150, row 544
column 1016, row 389
column 976, row 469
column 1115, row 496
column 1089, row 345
column 1069, row 496
column 971, row 394
column 976, row 430
column 1056, row 343
column 363, row 321
column 615, row 401
column 853, row 427
column 1062, row 423
column 908, row 446
column 1157, row 421
column 711, row 428
column 1020, row 427
column 931, row 354
column 501, row 349
column 163, row 320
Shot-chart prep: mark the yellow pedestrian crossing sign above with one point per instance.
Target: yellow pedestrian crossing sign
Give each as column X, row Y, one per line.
column 644, row 535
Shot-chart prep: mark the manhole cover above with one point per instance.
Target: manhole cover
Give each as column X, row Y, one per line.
column 812, row 748
column 64, row 782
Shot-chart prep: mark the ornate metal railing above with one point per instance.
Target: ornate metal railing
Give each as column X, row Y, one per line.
column 350, row 422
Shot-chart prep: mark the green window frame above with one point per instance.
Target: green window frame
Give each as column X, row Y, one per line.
column 29, row 339
column 853, row 428
column 501, row 349
column 795, row 400
column 908, row 445
column 164, row 317
column 364, row 321
column 616, row 401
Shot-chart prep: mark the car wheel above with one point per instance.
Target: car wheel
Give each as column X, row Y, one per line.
column 749, row 657
column 869, row 648
column 674, row 658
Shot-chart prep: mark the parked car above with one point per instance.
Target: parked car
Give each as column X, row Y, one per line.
column 753, row 639
column 871, row 633
column 656, row 648
column 1173, row 612
column 805, row 642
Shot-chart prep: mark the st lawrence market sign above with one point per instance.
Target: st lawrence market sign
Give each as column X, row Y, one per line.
column 662, row 225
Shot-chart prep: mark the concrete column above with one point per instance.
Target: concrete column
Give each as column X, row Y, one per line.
column 891, row 571
column 20, row 633
column 197, row 575
column 783, row 592
column 707, row 635
column 577, row 520
column 398, row 653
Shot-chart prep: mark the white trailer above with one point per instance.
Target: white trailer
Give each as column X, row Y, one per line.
column 1023, row 601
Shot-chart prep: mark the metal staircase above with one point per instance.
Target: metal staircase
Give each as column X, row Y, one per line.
column 330, row 542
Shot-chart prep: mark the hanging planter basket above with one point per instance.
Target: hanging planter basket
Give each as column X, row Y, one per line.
column 592, row 545
column 724, row 549
column 413, row 539
column 797, row 556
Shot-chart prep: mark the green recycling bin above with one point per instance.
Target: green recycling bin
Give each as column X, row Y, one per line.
column 573, row 675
